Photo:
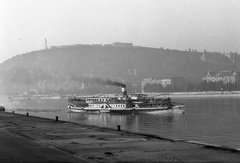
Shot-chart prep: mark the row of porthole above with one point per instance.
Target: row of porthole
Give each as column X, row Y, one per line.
column 96, row 99
column 118, row 105
column 107, row 106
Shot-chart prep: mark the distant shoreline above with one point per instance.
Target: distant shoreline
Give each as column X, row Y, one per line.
column 157, row 95
column 198, row 94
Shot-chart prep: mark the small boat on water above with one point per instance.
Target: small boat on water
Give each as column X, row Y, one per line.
column 77, row 104
column 176, row 105
column 137, row 103
column 75, row 108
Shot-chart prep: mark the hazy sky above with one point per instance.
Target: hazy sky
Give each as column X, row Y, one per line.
column 213, row 25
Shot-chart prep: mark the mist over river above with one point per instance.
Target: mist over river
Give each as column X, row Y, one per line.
column 214, row 120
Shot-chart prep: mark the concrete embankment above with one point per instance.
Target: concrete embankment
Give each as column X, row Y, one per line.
column 29, row 139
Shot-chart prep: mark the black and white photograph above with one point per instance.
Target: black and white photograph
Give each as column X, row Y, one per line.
column 128, row 81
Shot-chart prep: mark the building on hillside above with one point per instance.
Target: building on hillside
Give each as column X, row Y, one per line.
column 176, row 83
column 226, row 77
column 63, row 46
column 151, row 80
column 96, row 45
column 108, row 45
column 211, row 57
column 122, row 45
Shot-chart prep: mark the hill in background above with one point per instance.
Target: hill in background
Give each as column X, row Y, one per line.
column 68, row 69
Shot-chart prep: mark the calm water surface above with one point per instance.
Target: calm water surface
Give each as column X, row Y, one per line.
column 209, row 120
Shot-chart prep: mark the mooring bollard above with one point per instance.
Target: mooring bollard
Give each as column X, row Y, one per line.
column 56, row 118
column 27, row 114
column 119, row 127
column 13, row 112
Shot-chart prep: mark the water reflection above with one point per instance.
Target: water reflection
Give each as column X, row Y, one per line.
column 135, row 122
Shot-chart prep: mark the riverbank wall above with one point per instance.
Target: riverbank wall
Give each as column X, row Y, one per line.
column 25, row 138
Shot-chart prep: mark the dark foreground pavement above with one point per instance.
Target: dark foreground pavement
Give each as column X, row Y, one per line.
column 32, row 139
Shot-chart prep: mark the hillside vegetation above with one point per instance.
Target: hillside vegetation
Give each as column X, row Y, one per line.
column 64, row 70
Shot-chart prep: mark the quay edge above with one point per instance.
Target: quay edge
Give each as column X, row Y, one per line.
column 85, row 143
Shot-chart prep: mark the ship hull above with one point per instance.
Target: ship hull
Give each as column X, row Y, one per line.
column 162, row 109
column 96, row 110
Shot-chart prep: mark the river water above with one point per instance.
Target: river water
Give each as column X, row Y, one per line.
column 209, row 120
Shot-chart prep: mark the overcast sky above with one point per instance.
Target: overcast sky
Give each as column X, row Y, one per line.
column 213, row 25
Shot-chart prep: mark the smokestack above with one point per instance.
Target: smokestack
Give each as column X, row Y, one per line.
column 124, row 92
